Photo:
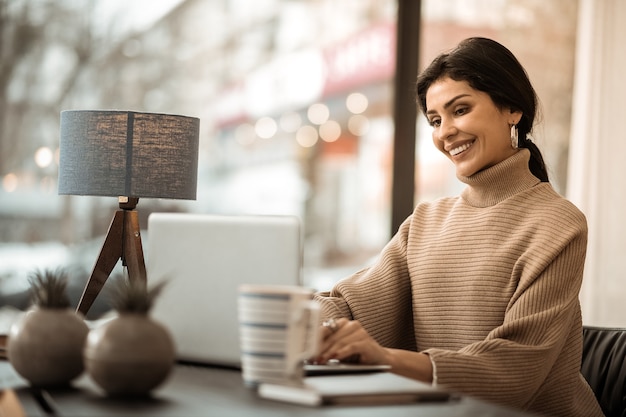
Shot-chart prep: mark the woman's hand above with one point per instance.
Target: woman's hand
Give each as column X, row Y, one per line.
column 348, row 341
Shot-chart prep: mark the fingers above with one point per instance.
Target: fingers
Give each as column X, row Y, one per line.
column 329, row 327
column 342, row 339
column 327, row 338
column 332, row 326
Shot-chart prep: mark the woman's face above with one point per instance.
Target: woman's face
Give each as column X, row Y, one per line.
column 468, row 127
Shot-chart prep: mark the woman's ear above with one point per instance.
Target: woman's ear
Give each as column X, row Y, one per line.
column 516, row 116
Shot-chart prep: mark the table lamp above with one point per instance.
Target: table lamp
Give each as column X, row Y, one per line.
column 129, row 155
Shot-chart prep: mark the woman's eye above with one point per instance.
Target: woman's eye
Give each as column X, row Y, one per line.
column 461, row 111
column 434, row 122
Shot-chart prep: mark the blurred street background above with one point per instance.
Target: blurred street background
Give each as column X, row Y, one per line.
column 295, row 99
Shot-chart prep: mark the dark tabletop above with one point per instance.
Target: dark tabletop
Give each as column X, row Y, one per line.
column 206, row 391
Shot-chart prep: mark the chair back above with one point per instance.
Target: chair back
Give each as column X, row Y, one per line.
column 604, row 367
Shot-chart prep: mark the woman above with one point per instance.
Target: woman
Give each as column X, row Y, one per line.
column 477, row 293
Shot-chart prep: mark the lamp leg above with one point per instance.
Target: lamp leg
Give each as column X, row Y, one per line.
column 132, row 255
column 109, row 255
column 123, row 241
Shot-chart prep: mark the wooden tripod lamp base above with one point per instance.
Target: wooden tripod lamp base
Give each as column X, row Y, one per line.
column 123, row 241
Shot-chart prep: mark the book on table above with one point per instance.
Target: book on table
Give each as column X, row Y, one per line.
column 368, row 388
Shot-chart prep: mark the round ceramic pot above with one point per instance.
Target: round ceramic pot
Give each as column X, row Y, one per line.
column 45, row 346
column 129, row 355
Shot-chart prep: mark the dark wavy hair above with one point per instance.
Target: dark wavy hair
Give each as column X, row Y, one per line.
column 490, row 67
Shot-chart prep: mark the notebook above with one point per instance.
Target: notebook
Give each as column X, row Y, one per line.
column 203, row 259
column 362, row 389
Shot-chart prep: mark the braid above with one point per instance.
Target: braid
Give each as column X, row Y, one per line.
column 536, row 164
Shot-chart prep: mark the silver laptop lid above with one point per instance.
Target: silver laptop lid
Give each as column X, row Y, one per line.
column 204, row 258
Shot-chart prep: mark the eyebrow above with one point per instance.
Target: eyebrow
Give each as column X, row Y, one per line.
column 449, row 102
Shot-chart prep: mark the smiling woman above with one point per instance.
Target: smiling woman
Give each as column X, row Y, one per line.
column 495, row 84
column 477, row 293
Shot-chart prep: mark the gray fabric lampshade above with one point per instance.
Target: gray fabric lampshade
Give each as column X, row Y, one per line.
column 124, row 153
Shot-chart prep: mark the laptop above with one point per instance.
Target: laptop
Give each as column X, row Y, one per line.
column 203, row 259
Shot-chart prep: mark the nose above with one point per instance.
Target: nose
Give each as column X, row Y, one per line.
column 446, row 129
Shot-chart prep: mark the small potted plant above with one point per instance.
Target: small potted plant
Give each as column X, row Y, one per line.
column 45, row 345
column 131, row 354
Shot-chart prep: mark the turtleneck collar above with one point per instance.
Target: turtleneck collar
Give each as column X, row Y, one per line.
column 499, row 182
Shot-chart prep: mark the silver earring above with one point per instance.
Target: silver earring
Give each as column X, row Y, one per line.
column 514, row 137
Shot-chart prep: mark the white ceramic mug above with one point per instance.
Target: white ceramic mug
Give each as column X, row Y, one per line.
column 278, row 331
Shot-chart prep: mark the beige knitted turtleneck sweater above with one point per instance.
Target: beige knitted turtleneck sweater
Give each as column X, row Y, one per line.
column 487, row 284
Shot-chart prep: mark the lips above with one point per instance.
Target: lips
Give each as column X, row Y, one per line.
column 459, row 149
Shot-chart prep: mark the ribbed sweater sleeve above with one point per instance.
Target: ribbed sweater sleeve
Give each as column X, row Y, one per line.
column 486, row 284
column 379, row 296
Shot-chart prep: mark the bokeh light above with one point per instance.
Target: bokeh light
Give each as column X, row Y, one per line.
column 330, row 131
column 9, row 182
column 358, row 125
column 318, row 113
column 306, row 136
column 357, row 103
column 265, row 127
column 43, row 157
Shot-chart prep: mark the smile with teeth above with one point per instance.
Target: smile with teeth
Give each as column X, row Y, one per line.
column 461, row 148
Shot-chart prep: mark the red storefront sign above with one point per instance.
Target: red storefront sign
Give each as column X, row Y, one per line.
column 366, row 57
